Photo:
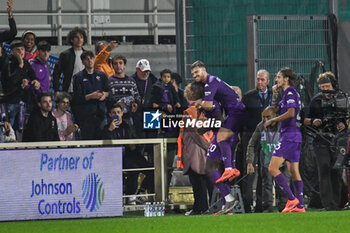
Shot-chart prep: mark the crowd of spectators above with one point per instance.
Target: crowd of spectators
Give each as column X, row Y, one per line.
column 98, row 100
column 89, row 90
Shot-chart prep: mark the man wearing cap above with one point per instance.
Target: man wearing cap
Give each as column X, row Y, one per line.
column 41, row 67
column 144, row 80
column 16, row 76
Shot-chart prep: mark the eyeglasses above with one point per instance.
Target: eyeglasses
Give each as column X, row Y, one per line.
column 63, row 102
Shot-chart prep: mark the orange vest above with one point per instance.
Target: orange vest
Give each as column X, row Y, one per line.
column 192, row 112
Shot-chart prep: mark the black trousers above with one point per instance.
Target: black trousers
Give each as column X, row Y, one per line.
column 330, row 179
column 247, row 183
column 200, row 185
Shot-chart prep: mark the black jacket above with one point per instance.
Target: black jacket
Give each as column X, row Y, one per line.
column 122, row 132
column 64, row 65
column 316, row 111
column 254, row 105
column 157, row 93
column 40, row 128
column 145, row 90
column 12, row 76
column 9, row 35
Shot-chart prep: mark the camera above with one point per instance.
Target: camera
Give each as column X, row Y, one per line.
column 340, row 150
column 336, row 108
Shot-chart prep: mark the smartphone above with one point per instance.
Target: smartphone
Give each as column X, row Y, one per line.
column 116, row 117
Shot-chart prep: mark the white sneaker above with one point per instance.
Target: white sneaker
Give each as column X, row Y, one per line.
column 132, row 200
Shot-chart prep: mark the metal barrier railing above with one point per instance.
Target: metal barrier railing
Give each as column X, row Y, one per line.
column 159, row 155
column 89, row 14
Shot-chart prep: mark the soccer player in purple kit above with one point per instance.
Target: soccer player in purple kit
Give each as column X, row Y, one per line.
column 218, row 90
column 290, row 144
column 214, row 165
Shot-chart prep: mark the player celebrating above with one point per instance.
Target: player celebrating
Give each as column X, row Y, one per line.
column 216, row 89
column 290, row 144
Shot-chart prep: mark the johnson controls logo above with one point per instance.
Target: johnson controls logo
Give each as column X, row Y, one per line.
column 93, row 192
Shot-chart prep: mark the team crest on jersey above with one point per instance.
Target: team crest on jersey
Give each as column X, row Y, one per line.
column 207, row 93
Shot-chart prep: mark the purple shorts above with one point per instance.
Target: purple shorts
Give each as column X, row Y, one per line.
column 290, row 151
column 235, row 120
column 214, row 150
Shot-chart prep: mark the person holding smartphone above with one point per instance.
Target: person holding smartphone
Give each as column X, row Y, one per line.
column 132, row 158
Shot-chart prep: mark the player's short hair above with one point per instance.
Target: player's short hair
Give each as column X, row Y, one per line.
column 197, row 63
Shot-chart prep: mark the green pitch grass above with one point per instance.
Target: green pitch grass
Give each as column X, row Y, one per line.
column 337, row 221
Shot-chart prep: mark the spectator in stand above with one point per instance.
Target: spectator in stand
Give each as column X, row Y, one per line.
column 66, row 128
column 42, row 125
column 69, row 62
column 132, row 158
column 176, row 80
column 103, row 61
column 144, row 80
column 7, row 134
column 41, row 67
column 9, row 35
column 90, row 91
column 121, row 88
column 16, row 76
column 163, row 94
column 28, row 38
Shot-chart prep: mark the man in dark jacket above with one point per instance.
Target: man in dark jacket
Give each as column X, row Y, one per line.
column 69, row 62
column 16, row 76
column 90, row 92
column 144, row 80
column 42, row 125
column 132, row 158
column 255, row 100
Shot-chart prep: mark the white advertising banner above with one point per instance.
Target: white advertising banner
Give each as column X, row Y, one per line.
column 60, row 183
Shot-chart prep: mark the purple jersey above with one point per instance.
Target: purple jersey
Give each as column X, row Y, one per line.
column 289, row 129
column 217, row 89
column 216, row 110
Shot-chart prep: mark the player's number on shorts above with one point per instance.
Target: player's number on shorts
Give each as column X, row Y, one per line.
column 212, row 148
column 277, row 147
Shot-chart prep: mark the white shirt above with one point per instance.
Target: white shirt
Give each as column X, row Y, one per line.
column 78, row 66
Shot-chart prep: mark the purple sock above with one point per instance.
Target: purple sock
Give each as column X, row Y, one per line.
column 224, row 189
column 226, row 152
column 234, row 145
column 282, row 182
column 298, row 190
